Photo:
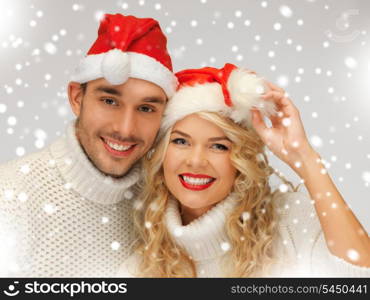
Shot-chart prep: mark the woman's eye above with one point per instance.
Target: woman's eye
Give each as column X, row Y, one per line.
column 109, row 101
column 220, row 147
column 179, row 141
column 146, row 109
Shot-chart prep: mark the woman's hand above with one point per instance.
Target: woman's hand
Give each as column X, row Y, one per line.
column 286, row 138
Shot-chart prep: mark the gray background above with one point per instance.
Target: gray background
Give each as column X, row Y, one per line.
column 317, row 50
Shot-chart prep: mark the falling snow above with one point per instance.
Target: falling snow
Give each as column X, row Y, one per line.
column 270, row 37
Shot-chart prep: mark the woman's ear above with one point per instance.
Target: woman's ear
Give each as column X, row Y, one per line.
column 75, row 95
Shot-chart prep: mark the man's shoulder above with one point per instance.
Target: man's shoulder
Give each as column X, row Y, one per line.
column 22, row 166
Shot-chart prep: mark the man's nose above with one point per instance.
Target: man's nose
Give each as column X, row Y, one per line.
column 127, row 123
column 197, row 158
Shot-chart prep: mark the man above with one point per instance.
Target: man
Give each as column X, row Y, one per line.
column 66, row 211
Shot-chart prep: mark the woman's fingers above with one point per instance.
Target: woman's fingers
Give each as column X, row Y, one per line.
column 274, row 87
column 257, row 121
column 283, row 104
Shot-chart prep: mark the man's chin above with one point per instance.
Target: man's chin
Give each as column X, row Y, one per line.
column 116, row 174
column 112, row 171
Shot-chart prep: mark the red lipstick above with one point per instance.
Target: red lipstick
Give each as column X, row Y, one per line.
column 196, row 187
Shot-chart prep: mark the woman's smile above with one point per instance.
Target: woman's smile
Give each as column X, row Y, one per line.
column 196, row 182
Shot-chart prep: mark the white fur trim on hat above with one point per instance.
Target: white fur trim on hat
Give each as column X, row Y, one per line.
column 115, row 66
column 245, row 90
column 109, row 65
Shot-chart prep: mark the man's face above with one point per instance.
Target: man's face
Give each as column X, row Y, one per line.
column 117, row 124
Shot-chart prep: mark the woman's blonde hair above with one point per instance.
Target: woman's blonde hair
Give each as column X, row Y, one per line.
column 251, row 238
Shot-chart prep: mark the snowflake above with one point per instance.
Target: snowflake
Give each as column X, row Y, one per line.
column 283, row 188
column 49, row 208
column 128, row 194
column 316, row 141
column 245, row 216
column 22, row 196
column 178, row 231
column 286, row 11
column 50, row 48
column 25, row 169
column 8, row 194
column 350, row 62
column 366, row 176
column 225, row 246
column 277, row 26
column 20, row 151
column 115, row 245
column 353, row 255
column 68, row 186
column 12, row 121
column 3, row 108
column 283, row 80
column 286, row 122
column 148, row 225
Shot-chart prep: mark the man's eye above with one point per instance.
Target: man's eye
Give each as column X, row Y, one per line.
column 220, row 147
column 179, row 141
column 146, row 109
column 109, row 101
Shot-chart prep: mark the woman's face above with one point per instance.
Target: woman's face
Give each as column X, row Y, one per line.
column 197, row 166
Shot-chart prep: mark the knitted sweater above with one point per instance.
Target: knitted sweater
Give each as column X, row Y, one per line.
column 61, row 217
column 299, row 245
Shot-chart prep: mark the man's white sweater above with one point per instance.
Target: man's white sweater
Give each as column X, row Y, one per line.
column 61, row 217
column 299, row 246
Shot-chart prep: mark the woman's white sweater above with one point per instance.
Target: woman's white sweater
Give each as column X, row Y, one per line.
column 300, row 245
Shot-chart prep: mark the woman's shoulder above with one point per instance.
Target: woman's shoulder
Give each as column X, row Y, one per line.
column 296, row 212
column 292, row 202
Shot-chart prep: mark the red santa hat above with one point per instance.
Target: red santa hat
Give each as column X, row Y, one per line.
column 128, row 47
column 230, row 91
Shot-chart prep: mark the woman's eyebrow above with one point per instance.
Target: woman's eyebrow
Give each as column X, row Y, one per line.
column 220, row 138
column 181, row 133
column 213, row 139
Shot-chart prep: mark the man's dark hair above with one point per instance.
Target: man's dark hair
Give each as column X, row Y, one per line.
column 84, row 87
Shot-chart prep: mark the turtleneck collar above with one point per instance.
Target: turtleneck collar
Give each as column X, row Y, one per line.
column 82, row 176
column 205, row 237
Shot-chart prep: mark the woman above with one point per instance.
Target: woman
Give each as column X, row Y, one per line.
column 207, row 209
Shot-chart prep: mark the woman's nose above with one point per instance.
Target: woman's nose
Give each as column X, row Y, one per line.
column 197, row 158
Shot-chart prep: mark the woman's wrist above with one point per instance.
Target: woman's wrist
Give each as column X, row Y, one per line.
column 308, row 161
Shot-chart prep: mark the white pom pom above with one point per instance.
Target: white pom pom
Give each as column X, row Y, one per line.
column 116, row 67
column 245, row 91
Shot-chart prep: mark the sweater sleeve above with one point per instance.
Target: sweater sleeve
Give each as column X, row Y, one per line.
column 302, row 234
column 13, row 225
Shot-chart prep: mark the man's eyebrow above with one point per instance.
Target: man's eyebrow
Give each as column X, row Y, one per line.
column 108, row 90
column 154, row 100
column 213, row 139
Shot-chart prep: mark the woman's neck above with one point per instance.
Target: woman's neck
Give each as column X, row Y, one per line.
column 189, row 214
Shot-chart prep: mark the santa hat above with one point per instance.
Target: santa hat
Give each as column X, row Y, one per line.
column 230, row 91
column 128, row 47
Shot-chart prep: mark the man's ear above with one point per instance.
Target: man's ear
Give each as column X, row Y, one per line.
column 75, row 95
